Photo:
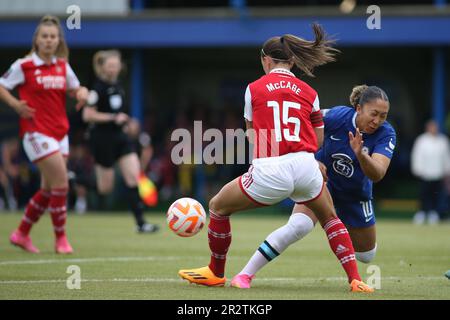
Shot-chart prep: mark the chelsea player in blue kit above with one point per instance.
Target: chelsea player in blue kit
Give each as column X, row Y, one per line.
column 357, row 150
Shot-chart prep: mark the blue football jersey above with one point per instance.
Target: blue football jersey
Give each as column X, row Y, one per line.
column 346, row 179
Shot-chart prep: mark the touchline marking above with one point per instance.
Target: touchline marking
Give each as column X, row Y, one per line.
column 90, row 260
column 90, row 280
column 152, row 258
column 297, row 280
column 101, row 259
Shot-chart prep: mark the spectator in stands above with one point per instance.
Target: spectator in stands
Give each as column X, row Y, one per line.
column 430, row 162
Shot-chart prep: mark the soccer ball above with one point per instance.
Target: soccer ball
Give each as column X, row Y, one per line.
column 186, row 217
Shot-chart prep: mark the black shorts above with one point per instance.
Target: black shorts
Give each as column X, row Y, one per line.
column 108, row 147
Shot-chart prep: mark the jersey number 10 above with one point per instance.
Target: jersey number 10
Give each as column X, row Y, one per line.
column 286, row 120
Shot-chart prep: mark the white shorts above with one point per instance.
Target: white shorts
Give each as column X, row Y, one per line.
column 39, row 146
column 271, row 180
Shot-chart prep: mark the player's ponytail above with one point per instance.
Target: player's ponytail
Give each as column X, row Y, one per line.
column 306, row 55
column 62, row 51
column 362, row 94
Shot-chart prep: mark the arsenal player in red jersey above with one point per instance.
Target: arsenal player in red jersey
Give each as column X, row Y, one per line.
column 284, row 116
column 43, row 79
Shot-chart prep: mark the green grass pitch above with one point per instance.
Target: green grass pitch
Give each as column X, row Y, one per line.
column 117, row 263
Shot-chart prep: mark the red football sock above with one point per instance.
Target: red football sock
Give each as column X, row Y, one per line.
column 342, row 246
column 34, row 210
column 58, row 210
column 219, row 238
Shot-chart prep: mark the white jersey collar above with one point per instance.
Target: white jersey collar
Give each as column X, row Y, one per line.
column 354, row 122
column 282, row 71
column 38, row 61
column 354, row 119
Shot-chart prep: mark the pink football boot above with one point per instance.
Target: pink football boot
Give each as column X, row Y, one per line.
column 17, row 238
column 63, row 246
column 242, row 281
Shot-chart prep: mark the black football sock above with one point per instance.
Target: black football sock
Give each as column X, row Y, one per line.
column 102, row 202
column 136, row 205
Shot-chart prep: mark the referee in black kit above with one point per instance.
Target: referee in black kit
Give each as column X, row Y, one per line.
column 108, row 141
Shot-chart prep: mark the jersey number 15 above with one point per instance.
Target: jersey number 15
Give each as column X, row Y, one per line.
column 286, row 120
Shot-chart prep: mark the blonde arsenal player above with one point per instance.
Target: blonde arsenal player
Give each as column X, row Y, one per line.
column 43, row 79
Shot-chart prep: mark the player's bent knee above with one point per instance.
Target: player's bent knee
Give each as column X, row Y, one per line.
column 301, row 224
column 217, row 209
column 214, row 207
column 212, row 204
column 366, row 256
column 57, row 184
column 131, row 183
column 104, row 190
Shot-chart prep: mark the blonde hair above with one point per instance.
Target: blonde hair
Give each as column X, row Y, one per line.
column 62, row 51
column 99, row 60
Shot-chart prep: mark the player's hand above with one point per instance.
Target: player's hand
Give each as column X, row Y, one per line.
column 24, row 111
column 82, row 96
column 121, row 118
column 356, row 141
column 323, row 171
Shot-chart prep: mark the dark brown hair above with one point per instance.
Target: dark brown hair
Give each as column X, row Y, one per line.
column 62, row 51
column 306, row 55
column 362, row 94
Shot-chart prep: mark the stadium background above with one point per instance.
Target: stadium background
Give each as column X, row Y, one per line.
column 191, row 60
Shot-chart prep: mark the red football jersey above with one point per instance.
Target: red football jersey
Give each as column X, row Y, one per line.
column 44, row 88
column 284, row 111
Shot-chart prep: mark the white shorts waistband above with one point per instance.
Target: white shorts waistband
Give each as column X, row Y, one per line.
column 282, row 158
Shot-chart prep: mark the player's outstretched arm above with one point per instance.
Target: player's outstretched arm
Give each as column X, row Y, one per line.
column 81, row 94
column 91, row 115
